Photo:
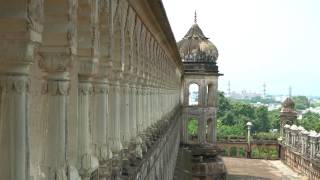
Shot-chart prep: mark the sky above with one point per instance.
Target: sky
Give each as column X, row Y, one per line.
column 276, row 42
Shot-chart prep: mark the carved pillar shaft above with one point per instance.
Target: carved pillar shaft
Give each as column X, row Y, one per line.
column 101, row 117
column 114, row 123
column 14, row 119
column 138, row 110
column 124, row 121
column 145, row 108
column 57, row 119
column 84, row 91
column 133, row 112
column 148, row 108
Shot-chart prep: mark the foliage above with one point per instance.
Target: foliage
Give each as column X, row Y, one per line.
column 262, row 122
column 233, row 116
column 264, row 153
column 233, row 151
column 227, row 132
column 274, row 117
column 193, row 127
column 310, row 121
column 266, row 136
column 301, row 102
column 224, row 105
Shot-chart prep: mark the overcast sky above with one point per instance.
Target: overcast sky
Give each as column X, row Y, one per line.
column 271, row 41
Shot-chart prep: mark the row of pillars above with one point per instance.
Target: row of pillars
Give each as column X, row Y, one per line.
column 123, row 111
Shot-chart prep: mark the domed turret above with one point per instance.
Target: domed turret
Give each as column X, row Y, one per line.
column 196, row 47
column 288, row 105
column 197, row 52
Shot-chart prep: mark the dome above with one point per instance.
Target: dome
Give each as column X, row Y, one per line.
column 288, row 103
column 196, row 47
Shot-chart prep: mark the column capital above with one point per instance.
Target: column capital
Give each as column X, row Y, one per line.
column 14, row 83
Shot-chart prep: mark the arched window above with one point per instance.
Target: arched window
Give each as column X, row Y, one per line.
column 193, row 94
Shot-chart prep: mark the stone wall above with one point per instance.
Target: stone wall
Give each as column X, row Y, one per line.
column 84, row 84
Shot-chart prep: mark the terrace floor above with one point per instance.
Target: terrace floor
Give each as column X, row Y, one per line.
column 257, row 169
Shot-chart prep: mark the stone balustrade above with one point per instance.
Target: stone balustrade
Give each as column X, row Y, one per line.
column 301, row 150
column 88, row 89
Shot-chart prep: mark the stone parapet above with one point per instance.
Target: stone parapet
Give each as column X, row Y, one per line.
column 300, row 149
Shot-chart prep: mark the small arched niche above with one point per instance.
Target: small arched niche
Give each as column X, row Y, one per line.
column 193, row 98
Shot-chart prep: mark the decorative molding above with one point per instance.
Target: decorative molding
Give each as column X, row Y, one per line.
column 85, row 88
column 35, row 15
column 101, row 88
column 56, row 87
column 15, row 83
column 52, row 62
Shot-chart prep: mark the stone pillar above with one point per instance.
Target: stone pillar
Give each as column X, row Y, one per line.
column 101, row 89
column 145, row 108
column 21, row 25
column 114, row 123
column 15, row 125
column 124, row 117
column 133, row 111
column 313, row 141
column 139, row 110
column 57, row 118
column 202, row 129
column 148, row 109
column 88, row 163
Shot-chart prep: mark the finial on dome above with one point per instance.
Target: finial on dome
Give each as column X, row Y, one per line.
column 195, row 16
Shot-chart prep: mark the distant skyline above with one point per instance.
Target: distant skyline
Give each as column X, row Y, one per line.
column 276, row 42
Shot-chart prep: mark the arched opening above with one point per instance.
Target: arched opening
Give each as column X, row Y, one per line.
column 192, row 130
column 193, row 94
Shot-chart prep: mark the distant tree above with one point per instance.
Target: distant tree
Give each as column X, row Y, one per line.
column 274, row 117
column 262, row 122
column 301, row 102
column 224, row 105
column 234, row 131
column 310, row 121
column 244, row 109
column 228, row 119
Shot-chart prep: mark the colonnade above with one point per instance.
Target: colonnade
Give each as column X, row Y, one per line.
column 80, row 82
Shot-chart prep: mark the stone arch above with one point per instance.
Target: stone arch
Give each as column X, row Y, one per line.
column 116, row 56
column 131, row 28
column 104, row 30
column 142, row 51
